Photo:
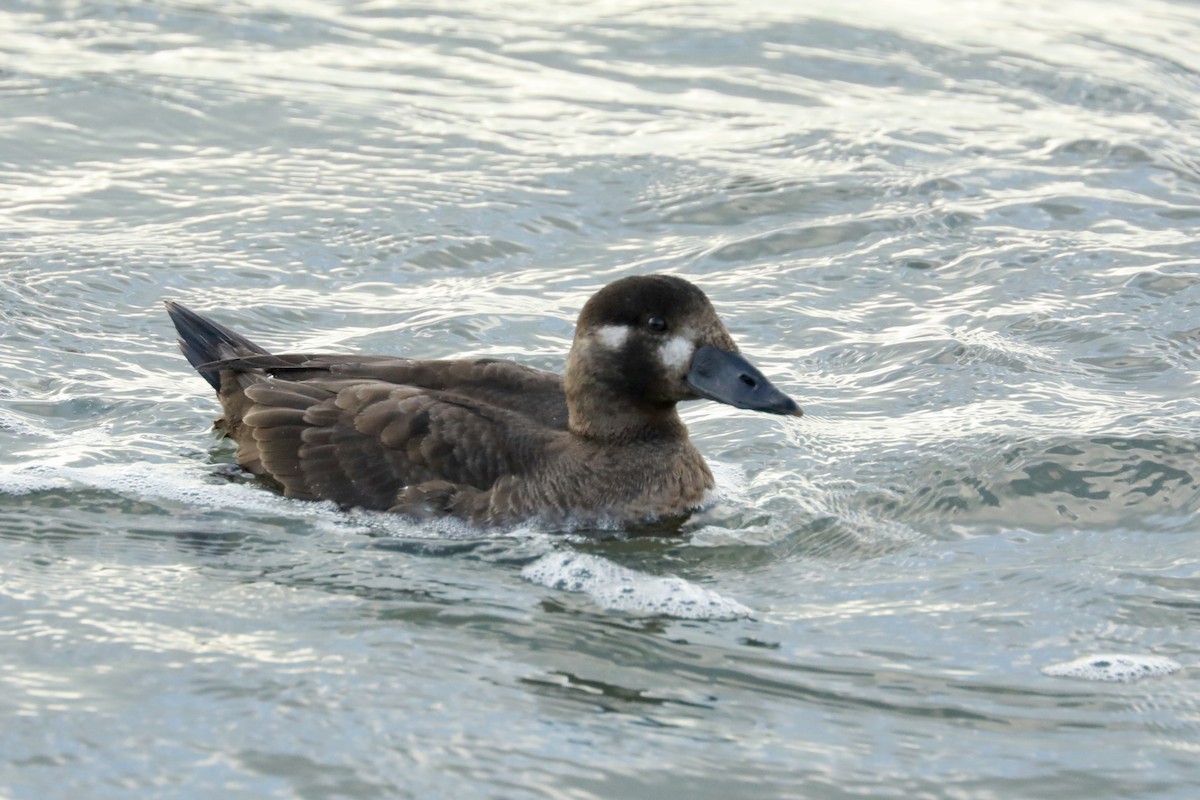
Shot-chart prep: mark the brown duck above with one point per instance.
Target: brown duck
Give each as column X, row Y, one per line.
column 488, row 441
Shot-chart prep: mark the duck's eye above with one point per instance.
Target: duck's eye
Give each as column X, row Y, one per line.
column 656, row 324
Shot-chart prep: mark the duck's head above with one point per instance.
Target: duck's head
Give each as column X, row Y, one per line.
column 645, row 343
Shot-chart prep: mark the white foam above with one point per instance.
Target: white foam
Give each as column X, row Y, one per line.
column 620, row 589
column 26, row 480
column 15, row 424
column 142, row 480
column 191, row 486
column 185, row 486
column 1114, row 667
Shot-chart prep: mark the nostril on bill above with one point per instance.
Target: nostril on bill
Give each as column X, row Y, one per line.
column 749, row 381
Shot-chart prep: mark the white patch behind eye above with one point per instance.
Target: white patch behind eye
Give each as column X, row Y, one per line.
column 676, row 353
column 612, row 336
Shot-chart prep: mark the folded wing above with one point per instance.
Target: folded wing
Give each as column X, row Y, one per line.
column 363, row 443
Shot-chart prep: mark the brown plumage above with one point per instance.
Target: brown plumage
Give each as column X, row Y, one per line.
column 487, row 441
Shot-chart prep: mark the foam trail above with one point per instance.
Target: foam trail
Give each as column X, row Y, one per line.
column 620, row 589
column 22, row 427
column 27, row 480
column 187, row 486
column 158, row 483
column 1123, row 667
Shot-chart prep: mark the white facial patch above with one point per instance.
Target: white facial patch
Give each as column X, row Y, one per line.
column 612, row 336
column 676, row 353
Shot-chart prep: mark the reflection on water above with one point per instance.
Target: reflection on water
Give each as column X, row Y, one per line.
column 962, row 236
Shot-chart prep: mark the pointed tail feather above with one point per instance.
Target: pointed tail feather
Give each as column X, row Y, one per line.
column 204, row 341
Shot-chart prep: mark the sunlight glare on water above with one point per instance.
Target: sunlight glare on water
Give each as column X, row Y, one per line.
column 963, row 236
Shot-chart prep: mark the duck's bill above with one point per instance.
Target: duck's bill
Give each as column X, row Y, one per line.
column 728, row 378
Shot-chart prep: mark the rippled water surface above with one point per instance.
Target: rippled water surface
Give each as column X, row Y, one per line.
column 964, row 236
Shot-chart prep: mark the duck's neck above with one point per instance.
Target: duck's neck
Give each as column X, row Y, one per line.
column 607, row 418
column 600, row 412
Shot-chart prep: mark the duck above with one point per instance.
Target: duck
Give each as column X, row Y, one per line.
column 487, row 441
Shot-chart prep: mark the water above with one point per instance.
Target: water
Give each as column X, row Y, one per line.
column 964, row 236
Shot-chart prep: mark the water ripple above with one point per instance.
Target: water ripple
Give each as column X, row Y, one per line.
column 961, row 235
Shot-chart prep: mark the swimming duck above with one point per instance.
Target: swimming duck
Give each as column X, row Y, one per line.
column 493, row 442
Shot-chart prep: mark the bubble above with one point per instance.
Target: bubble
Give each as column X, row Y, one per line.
column 12, row 423
column 1121, row 667
column 620, row 589
column 17, row 481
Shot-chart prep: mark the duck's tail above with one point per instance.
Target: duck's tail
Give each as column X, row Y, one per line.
column 204, row 341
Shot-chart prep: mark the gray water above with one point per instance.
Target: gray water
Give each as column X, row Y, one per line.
column 963, row 235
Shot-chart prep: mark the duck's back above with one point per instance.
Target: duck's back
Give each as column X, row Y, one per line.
column 532, row 393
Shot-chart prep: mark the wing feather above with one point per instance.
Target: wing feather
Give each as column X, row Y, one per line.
column 362, row 442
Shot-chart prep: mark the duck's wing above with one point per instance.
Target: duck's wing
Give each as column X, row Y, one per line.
column 533, row 393
column 383, row 446
column 453, row 437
